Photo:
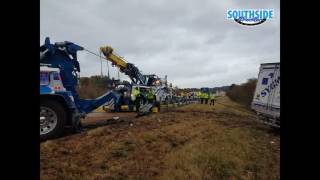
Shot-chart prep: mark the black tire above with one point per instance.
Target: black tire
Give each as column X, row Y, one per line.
column 61, row 115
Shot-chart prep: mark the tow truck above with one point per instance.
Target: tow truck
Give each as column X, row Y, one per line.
column 143, row 82
column 60, row 104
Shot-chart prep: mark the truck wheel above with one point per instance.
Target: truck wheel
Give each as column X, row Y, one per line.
column 52, row 119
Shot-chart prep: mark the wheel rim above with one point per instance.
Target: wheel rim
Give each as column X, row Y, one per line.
column 48, row 120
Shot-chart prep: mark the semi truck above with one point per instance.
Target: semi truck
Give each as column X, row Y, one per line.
column 144, row 82
column 127, row 100
column 266, row 99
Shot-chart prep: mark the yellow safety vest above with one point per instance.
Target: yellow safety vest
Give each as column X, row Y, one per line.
column 212, row 96
column 136, row 92
column 150, row 95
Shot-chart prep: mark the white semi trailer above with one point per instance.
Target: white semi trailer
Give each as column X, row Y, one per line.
column 266, row 99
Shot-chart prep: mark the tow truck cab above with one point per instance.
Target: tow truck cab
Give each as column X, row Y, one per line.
column 57, row 105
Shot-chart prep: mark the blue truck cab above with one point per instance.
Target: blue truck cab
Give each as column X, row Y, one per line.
column 57, row 106
column 60, row 103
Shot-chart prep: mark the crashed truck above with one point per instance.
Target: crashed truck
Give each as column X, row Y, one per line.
column 266, row 99
column 60, row 104
column 145, row 83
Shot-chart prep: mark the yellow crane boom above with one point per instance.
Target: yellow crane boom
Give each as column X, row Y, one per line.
column 127, row 68
column 115, row 59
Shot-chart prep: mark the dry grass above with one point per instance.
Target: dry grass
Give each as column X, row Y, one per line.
column 192, row 142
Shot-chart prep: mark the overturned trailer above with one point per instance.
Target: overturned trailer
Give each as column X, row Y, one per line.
column 266, row 100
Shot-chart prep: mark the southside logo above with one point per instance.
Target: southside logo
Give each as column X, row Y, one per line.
column 250, row 17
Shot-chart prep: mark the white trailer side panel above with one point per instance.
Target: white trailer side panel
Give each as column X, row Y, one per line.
column 266, row 100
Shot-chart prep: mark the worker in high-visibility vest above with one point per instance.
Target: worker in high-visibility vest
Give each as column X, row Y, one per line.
column 206, row 97
column 150, row 96
column 200, row 96
column 212, row 99
column 137, row 96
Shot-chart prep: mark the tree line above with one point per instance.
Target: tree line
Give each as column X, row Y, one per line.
column 243, row 93
column 93, row 87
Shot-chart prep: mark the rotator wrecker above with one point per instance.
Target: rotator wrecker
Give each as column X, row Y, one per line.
column 60, row 104
column 143, row 82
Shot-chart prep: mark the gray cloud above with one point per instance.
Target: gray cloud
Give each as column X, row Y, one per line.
column 190, row 41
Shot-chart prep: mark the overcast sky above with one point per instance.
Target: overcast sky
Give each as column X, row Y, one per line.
column 191, row 41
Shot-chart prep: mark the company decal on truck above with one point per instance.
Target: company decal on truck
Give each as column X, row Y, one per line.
column 270, row 87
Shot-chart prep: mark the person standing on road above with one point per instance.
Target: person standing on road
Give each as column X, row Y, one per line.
column 150, row 96
column 206, row 97
column 212, row 99
column 136, row 94
column 143, row 96
column 200, row 94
